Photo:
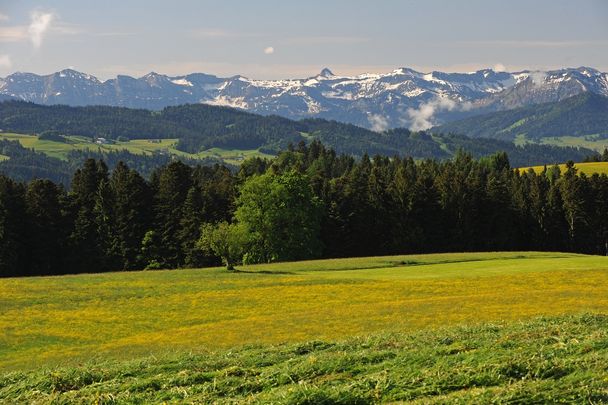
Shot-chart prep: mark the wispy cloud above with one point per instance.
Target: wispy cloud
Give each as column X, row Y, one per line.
column 3, row 17
column 216, row 33
column 532, row 43
column 324, row 40
column 39, row 26
column 423, row 117
column 378, row 122
column 113, row 34
column 269, row 50
column 13, row 34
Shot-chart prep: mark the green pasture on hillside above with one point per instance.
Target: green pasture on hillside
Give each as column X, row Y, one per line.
column 137, row 146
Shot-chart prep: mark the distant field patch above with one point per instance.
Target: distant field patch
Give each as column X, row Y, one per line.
column 67, row 319
column 587, row 168
column 136, row 146
column 593, row 142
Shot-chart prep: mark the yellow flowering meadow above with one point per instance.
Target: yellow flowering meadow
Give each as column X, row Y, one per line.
column 48, row 321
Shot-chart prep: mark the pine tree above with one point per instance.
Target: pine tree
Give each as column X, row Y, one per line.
column 46, row 230
column 13, row 243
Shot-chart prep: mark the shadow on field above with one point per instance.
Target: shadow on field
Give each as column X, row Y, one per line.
column 262, row 272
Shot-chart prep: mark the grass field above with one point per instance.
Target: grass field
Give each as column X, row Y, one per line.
column 590, row 142
column 547, row 360
column 136, row 146
column 48, row 321
column 593, row 142
column 587, row 168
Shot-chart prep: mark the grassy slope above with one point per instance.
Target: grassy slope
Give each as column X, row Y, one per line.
column 548, row 360
column 136, row 146
column 587, row 168
column 582, row 115
column 64, row 320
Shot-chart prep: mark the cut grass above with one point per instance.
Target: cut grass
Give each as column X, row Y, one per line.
column 546, row 360
column 60, row 150
column 589, row 168
column 48, row 321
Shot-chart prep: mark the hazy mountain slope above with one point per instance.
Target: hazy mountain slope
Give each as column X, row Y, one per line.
column 580, row 115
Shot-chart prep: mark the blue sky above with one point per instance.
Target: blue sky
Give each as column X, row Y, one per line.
column 281, row 39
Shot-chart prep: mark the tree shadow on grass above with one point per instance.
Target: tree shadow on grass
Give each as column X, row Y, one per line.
column 261, row 272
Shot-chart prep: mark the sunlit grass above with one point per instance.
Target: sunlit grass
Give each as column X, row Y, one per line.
column 59, row 320
column 588, row 168
column 593, row 142
column 544, row 360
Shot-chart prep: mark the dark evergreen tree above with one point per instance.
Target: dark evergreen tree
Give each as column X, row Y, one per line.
column 46, row 228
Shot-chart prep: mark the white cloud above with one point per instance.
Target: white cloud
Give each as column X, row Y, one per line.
column 423, row 117
column 5, row 61
column 3, row 17
column 499, row 67
column 39, row 25
column 538, row 77
column 269, row 50
column 378, row 122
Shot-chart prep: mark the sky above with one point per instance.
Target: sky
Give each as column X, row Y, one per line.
column 268, row 39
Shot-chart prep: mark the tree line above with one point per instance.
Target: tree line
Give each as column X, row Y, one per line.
column 309, row 202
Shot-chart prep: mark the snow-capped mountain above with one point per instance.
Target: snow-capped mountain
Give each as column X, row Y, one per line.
column 403, row 97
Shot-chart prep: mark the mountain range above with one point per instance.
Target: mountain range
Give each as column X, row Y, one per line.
column 401, row 98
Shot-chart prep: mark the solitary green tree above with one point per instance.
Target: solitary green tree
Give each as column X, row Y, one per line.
column 224, row 240
column 282, row 218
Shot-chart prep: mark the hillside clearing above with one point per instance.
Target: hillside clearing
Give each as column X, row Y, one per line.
column 60, row 150
column 69, row 319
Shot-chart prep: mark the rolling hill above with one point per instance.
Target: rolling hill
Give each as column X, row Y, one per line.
column 197, row 128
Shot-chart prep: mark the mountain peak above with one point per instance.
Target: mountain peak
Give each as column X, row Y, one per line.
column 326, row 73
column 369, row 99
column 74, row 74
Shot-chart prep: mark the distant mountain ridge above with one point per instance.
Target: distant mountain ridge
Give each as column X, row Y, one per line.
column 401, row 98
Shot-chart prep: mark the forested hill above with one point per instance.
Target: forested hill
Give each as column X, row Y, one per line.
column 199, row 127
column 581, row 115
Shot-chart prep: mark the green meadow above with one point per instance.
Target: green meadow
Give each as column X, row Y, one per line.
column 60, row 150
column 589, row 168
column 468, row 327
column 63, row 320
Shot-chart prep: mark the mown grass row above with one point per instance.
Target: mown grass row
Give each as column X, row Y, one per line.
column 546, row 360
